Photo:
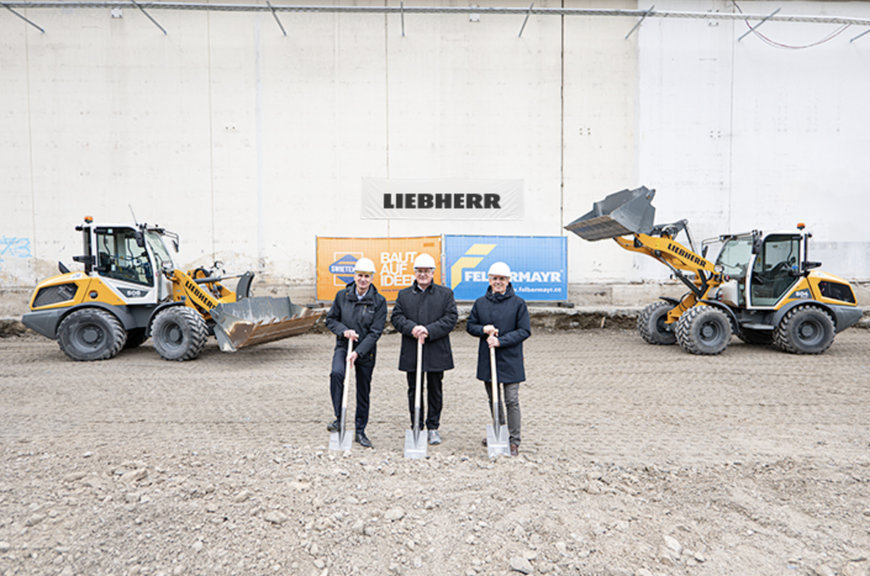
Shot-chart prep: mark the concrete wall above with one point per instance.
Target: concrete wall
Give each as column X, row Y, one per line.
column 250, row 144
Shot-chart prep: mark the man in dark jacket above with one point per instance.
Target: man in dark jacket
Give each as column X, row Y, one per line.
column 359, row 314
column 426, row 311
column 500, row 319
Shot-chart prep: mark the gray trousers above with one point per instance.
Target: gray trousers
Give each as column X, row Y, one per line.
column 511, row 395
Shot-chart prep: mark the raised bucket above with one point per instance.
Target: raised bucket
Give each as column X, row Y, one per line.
column 621, row 213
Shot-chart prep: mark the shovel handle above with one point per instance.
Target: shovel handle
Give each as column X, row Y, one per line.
column 495, row 418
column 417, row 381
column 346, row 381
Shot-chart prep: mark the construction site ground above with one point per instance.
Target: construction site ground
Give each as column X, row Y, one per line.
column 635, row 460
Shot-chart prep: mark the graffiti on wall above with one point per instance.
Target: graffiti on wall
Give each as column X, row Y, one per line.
column 13, row 248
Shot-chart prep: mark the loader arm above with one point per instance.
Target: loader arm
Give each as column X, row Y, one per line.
column 185, row 289
column 678, row 258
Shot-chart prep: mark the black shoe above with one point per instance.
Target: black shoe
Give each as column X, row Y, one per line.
column 363, row 440
column 334, row 426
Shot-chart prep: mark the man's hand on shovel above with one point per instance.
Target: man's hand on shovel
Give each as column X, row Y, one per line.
column 353, row 337
column 420, row 333
column 492, row 332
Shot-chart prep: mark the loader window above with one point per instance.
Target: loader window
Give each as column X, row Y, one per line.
column 120, row 257
column 734, row 256
column 158, row 248
column 772, row 274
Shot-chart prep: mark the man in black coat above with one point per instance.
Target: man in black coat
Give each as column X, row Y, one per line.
column 358, row 313
column 426, row 311
column 500, row 319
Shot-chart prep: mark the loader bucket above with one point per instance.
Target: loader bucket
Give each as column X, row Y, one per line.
column 621, row 213
column 257, row 320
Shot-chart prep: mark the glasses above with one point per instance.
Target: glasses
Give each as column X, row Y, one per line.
column 423, row 270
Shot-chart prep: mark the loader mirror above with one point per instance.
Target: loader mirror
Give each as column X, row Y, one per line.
column 140, row 238
column 87, row 260
column 756, row 246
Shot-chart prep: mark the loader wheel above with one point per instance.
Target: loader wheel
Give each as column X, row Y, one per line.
column 91, row 334
column 756, row 337
column 703, row 330
column 651, row 324
column 804, row 330
column 179, row 333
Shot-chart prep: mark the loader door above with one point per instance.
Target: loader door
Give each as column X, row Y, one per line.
column 121, row 257
column 775, row 269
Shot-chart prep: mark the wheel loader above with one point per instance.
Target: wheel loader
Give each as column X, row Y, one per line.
column 763, row 288
column 130, row 290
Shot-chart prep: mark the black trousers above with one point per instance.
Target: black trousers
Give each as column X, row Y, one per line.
column 363, row 387
column 431, row 385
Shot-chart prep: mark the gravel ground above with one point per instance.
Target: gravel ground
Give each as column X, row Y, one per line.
column 636, row 460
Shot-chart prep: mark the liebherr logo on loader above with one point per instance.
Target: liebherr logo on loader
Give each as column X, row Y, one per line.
column 194, row 289
column 685, row 254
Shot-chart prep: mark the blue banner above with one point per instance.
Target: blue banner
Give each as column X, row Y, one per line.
column 539, row 265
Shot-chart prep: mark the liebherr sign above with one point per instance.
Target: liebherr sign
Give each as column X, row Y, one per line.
column 446, row 199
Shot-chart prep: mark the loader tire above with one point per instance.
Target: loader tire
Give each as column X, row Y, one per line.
column 91, row 334
column 756, row 337
column 179, row 333
column 703, row 330
column 651, row 324
column 804, row 330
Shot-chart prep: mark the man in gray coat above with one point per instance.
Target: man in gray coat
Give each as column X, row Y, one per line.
column 426, row 311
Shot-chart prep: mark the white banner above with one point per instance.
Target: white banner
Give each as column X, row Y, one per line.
column 444, row 199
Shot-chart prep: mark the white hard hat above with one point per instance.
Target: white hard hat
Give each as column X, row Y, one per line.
column 364, row 265
column 499, row 269
column 424, row 261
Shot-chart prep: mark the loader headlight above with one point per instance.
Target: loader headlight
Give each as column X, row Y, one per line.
column 719, row 268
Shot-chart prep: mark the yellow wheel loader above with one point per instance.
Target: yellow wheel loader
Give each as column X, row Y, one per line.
column 761, row 287
column 130, row 290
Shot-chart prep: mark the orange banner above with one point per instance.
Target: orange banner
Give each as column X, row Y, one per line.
column 393, row 258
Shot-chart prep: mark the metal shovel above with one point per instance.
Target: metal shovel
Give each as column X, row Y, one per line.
column 496, row 434
column 341, row 440
column 415, row 444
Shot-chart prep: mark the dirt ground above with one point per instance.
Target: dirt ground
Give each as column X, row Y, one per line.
column 636, row 460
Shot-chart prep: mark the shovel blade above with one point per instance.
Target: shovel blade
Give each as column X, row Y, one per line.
column 339, row 441
column 252, row 321
column 415, row 444
column 497, row 443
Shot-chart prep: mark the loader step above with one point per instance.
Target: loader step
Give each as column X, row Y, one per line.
column 757, row 326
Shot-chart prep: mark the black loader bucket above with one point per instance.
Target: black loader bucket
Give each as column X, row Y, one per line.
column 257, row 320
column 619, row 214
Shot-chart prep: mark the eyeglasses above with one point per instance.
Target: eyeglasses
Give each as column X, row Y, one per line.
column 423, row 270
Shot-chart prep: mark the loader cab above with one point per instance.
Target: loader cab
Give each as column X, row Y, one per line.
column 132, row 255
column 775, row 268
column 120, row 254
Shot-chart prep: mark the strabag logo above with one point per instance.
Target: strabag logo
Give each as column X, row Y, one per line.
column 342, row 268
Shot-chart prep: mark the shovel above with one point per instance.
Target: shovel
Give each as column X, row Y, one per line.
column 496, row 435
column 415, row 444
column 341, row 440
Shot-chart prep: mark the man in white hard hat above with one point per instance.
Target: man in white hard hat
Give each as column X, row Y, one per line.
column 358, row 313
column 500, row 320
column 426, row 311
